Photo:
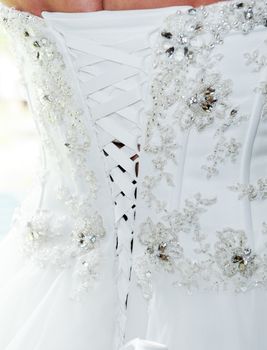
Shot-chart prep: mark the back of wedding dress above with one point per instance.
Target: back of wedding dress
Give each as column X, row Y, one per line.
column 86, row 89
column 149, row 220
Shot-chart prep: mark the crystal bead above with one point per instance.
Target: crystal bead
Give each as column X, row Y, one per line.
column 167, row 35
column 170, row 51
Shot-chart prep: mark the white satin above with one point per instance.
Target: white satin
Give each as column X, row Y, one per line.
column 35, row 310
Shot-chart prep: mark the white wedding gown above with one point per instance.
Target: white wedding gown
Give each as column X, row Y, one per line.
column 148, row 229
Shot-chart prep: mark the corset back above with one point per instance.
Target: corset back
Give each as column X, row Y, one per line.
column 153, row 127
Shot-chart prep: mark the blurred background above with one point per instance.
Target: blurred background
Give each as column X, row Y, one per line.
column 18, row 139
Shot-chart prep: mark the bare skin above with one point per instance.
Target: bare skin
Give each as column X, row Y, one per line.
column 147, row 4
column 37, row 6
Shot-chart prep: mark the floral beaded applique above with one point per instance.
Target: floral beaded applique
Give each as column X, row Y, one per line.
column 190, row 95
column 162, row 242
column 227, row 263
column 71, row 238
column 88, row 231
column 162, row 245
column 188, row 92
column 252, row 192
column 59, row 241
column 223, row 150
column 233, row 255
column 53, row 100
column 205, row 102
column 187, row 40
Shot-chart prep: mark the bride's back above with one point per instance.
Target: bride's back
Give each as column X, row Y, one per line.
column 96, row 5
column 55, row 6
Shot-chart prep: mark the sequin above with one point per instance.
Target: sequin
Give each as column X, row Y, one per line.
column 49, row 238
column 228, row 264
column 167, row 35
column 203, row 100
column 207, row 101
column 233, row 255
column 188, row 93
column 88, row 231
column 163, row 248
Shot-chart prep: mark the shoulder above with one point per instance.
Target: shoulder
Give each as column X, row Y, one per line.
column 26, row 5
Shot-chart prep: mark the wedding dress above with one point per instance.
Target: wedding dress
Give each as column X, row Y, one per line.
column 148, row 227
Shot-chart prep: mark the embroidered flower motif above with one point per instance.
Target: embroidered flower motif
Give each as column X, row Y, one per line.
column 181, row 30
column 226, row 148
column 53, row 238
column 163, row 145
column 38, row 228
column 187, row 40
column 252, row 192
column 180, row 47
column 41, row 231
column 147, row 192
column 206, row 102
column 223, row 151
column 53, row 100
column 162, row 241
column 228, row 263
column 187, row 219
column 66, row 242
column 163, row 247
column 87, row 232
column 233, row 255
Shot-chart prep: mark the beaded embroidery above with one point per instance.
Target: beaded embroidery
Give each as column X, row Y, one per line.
column 223, row 150
column 162, row 245
column 197, row 98
column 252, row 192
column 228, row 263
column 52, row 97
column 70, row 240
column 180, row 46
column 233, row 255
column 203, row 103
column 206, row 101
